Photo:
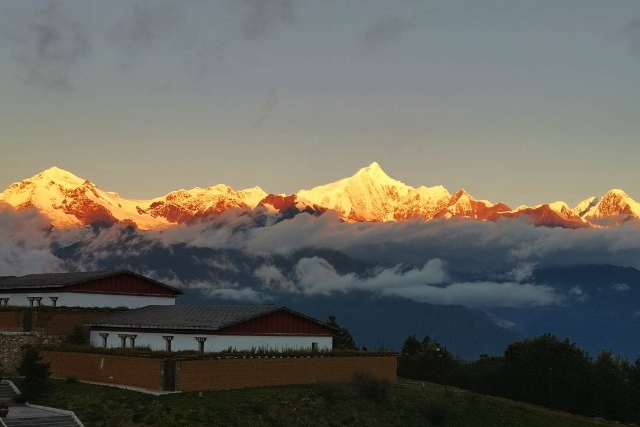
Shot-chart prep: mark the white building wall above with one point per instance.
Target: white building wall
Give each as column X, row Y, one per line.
column 78, row 299
column 215, row 343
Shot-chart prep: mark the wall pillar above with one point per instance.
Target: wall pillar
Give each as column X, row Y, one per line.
column 104, row 336
column 123, row 340
column 168, row 339
column 132, row 340
column 201, row 341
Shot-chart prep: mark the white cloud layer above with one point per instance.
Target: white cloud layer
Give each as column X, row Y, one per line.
column 477, row 264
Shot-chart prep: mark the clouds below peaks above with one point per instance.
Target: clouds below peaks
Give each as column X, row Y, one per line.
column 477, row 264
column 25, row 243
column 504, row 251
column 316, row 276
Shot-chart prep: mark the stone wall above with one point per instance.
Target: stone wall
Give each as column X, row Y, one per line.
column 11, row 345
column 21, row 326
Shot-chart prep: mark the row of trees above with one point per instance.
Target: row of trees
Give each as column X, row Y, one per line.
column 543, row 370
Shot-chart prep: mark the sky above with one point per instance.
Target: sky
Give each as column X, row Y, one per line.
column 524, row 102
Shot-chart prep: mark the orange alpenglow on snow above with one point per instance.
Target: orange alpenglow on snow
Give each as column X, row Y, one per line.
column 369, row 195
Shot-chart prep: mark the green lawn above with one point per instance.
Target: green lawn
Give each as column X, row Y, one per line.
column 409, row 403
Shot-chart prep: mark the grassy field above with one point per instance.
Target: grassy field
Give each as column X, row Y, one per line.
column 408, row 403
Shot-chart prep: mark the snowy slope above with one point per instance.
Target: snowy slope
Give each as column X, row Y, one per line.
column 68, row 200
column 463, row 205
column 371, row 195
column 614, row 207
column 584, row 207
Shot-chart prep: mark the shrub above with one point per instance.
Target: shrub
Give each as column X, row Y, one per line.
column 329, row 391
column 472, row 398
column 36, row 373
column 437, row 413
column 79, row 335
column 257, row 407
column 373, row 388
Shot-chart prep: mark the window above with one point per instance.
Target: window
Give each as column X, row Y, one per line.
column 30, row 301
column 38, row 301
column 314, row 346
column 54, row 301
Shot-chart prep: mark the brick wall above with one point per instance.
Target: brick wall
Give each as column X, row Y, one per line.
column 49, row 321
column 216, row 374
column 62, row 321
column 142, row 372
column 10, row 320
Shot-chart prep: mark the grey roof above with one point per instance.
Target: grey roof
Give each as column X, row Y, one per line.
column 62, row 280
column 201, row 317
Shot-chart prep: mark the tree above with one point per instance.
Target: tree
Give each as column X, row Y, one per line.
column 411, row 346
column 36, row 373
column 610, row 371
column 342, row 340
column 538, row 355
column 426, row 359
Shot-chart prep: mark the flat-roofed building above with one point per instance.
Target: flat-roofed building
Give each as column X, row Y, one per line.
column 212, row 328
column 85, row 289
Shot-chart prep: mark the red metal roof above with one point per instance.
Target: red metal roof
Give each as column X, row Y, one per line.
column 122, row 281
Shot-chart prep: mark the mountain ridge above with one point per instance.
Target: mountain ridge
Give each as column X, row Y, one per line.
column 369, row 195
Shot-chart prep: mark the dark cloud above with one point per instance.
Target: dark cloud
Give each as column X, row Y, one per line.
column 270, row 104
column 199, row 33
column 208, row 59
column 259, row 18
column 632, row 32
column 49, row 46
column 148, row 26
column 386, row 30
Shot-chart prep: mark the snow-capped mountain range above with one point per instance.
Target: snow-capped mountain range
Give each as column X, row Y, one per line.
column 369, row 195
